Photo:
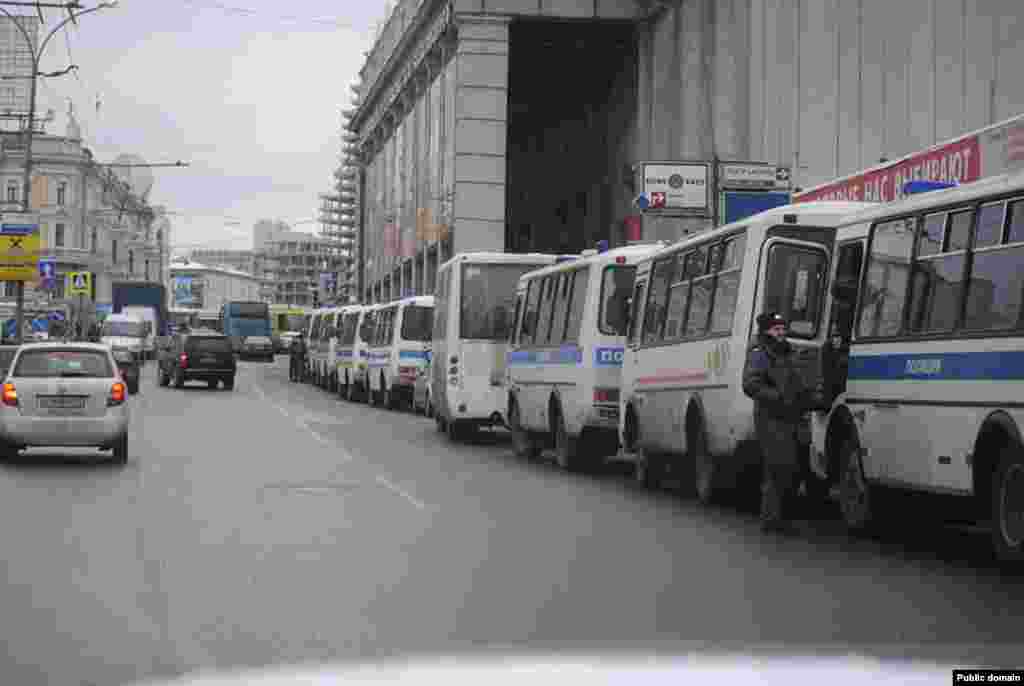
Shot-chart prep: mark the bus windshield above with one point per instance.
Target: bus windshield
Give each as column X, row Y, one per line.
column 794, row 287
column 417, row 323
column 249, row 310
column 122, row 328
column 489, row 299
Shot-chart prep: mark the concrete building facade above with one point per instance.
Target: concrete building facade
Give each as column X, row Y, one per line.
column 518, row 124
column 212, row 286
column 298, row 260
column 89, row 219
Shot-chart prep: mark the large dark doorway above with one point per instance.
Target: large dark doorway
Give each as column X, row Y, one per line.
column 571, row 99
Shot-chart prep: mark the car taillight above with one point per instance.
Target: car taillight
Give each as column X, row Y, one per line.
column 606, row 395
column 10, row 395
column 183, row 360
column 116, row 394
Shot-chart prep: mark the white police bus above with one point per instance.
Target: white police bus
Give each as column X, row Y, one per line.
column 565, row 355
column 683, row 411
column 926, row 359
column 399, row 350
column 474, row 304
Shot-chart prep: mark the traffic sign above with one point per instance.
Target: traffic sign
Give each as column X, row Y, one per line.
column 79, row 283
column 19, row 248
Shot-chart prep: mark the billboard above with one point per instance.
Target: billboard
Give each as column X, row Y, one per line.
column 183, row 295
column 682, row 186
column 20, row 245
column 989, row 152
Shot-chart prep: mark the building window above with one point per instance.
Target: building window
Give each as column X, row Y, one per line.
column 131, row 262
column 12, row 192
column 62, row 193
column 92, row 246
column 147, row 270
column 113, row 251
column 10, row 289
column 58, row 236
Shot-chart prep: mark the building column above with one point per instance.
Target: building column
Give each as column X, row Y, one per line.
column 481, row 104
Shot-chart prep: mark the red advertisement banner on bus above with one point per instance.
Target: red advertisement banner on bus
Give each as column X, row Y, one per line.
column 995, row 150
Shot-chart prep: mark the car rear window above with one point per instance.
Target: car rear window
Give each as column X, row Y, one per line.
column 208, row 344
column 59, row 362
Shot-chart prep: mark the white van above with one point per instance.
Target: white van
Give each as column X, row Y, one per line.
column 125, row 332
column 399, row 350
column 565, row 357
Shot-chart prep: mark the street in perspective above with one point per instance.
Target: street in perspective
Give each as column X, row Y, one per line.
column 511, row 340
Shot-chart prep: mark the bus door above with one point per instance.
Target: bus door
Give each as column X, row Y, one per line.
column 843, row 301
column 793, row 278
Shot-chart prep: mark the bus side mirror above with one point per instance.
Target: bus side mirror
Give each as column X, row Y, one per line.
column 845, row 290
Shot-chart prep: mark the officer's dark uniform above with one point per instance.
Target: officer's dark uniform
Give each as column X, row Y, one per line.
column 298, row 359
column 780, row 399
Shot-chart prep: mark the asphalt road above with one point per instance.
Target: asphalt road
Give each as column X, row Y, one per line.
column 278, row 524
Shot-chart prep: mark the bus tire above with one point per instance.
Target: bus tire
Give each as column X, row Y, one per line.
column 567, row 448
column 428, row 409
column 706, row 471
column 856, row 496
column 1007, row 503
column 649, row 470
column 525, row 445
column 440, row 423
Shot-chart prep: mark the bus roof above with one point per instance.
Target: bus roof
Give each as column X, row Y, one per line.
column 817, row 213
column 503, row 258
column 636, row 252
column 993, row 185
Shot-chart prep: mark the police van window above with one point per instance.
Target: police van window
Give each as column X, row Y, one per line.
column 884, row 298
column 581, row 277
column 348, row 328
column 561, row 307
column 727, row 286
column 657, row 298
column 517, row 326
column 793, row 287
column 702, row 284
column 996, row 285
column 1015, row 231
column 635, row 312
column 616, row 286
column 547, row 302
column 937, row 279
column 678, row 299
column 529, row 328
column 441, row 305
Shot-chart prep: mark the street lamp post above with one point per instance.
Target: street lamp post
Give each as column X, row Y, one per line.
column 37, row 54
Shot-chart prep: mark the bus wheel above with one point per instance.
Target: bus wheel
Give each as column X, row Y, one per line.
column 1008, row 506
column 566, row 446
column 428, row 409
column 649, row 470
column 439, row 422
column 855, row 494
column 526, row 446
column 705, row 468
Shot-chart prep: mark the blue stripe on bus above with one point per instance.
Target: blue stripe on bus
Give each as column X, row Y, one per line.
column 566, row 355
column 414, row 354
column 608, row 357
column 970, row 366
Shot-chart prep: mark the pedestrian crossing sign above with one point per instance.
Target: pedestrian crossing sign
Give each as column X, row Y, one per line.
column 79, row 283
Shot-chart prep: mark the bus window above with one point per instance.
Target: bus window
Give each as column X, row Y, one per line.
column 997, row 282
column 578, row 300
column 561, row 307
column 885, row 291
column 727, row 284
column 793, row 287
column 417, row 321
column 938, row 272
column 547, row 304
column 529, row 327
column 488, row 294
column 348, row 328
column 634, row 315
column 616, row 284
column 657, row 297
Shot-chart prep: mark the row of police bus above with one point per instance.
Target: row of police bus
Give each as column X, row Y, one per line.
column 908, row 316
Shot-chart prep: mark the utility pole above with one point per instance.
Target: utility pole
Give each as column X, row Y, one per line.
column 26, row 191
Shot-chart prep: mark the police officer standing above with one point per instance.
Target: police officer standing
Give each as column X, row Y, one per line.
column 297, row 362
column 780, row 400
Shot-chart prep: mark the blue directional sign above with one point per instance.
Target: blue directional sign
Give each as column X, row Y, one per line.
column 642, row 201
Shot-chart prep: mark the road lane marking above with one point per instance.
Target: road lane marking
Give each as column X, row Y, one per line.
column 383, row 481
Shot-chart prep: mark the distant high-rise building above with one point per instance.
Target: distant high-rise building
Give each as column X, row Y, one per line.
column 265, row 230
column 16, row 62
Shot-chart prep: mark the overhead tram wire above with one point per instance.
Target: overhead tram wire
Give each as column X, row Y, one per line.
column 245, row 11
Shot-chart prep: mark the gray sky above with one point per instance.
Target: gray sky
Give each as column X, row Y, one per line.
column 248, row 91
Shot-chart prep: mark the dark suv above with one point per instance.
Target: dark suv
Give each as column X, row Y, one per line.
column 195, row 356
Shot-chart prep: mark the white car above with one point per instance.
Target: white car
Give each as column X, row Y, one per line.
column 258, row 346
column 64, row 395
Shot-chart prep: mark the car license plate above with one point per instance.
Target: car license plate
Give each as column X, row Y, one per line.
column 60, row 402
